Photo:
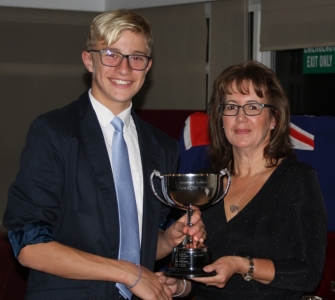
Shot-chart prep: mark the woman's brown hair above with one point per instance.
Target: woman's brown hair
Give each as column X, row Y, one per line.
column 266, row 85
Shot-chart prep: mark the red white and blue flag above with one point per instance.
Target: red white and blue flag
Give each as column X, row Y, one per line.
column 300, row 138
column 313, row 139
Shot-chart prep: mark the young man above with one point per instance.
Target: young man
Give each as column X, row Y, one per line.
column 63, row 209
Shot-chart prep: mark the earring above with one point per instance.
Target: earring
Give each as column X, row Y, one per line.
column 272, row 127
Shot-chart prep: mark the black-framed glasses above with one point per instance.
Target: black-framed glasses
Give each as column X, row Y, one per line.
column 250, row 109
column 111, row 58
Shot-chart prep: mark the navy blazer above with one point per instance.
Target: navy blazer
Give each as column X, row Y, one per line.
column 65, row 180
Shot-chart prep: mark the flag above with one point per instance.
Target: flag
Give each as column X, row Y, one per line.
column 313, row 140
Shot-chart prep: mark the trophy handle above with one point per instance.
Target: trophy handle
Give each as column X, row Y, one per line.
column 158, row 174
column 223, row 173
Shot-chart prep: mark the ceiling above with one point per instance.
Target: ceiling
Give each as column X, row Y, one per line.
column 93, row 6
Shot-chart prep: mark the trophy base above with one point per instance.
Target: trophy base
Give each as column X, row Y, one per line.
column 189, row 263
column 176, row 272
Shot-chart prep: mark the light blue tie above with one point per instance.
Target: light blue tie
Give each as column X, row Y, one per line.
column 129, row 249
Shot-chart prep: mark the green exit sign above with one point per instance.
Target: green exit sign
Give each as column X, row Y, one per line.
column 319, row 60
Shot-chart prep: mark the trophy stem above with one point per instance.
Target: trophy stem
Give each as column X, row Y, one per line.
column 189, row 223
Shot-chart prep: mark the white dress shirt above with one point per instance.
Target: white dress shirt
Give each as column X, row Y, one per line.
column 105, row 116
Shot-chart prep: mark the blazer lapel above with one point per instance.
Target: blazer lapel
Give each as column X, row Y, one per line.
column 95, row 146
column 151, row 205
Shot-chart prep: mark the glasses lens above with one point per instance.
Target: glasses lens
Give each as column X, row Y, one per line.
column 252, row 109
column 110, row 58
column 138, row 62
column 229, row 109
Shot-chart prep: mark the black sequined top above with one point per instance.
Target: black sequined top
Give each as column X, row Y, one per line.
column 285, row 222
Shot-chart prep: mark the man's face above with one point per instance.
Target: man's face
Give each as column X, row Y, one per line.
column 114, row 87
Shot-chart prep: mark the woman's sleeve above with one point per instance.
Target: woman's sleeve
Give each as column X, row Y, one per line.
column 306, row 224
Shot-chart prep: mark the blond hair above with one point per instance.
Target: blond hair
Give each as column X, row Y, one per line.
column 109, row 26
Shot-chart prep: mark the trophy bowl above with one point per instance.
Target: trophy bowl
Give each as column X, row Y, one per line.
column 190, row 192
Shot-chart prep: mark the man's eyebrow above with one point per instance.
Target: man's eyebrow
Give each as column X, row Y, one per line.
column 135, row 52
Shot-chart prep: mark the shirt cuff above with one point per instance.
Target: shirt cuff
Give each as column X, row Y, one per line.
column 29, row 234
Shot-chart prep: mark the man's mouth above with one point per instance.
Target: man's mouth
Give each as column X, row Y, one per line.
column 119, row 81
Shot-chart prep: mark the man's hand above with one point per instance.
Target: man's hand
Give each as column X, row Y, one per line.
column 178, row 287
column 176, row 233
column 151, row 287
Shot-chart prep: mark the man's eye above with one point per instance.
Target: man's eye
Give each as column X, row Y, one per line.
column 111, row 54
column 137, row 58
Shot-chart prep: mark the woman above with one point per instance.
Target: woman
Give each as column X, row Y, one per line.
column 268, row 236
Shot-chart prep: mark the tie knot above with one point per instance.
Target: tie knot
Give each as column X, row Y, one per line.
column 117, row 123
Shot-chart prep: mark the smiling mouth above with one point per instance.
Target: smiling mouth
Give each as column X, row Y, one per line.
column 119, row 81
column 242, row 130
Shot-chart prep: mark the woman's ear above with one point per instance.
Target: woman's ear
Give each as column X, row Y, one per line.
column 273, row 122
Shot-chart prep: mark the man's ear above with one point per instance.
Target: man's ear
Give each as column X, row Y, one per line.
column 88, row 61
column 149, row 65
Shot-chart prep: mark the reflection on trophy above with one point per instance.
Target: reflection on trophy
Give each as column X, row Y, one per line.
column 190, row 192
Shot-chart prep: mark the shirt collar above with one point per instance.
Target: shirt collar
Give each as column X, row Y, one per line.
column 105, row 116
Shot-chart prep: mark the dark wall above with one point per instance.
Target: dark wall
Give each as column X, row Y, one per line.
column 40, row 69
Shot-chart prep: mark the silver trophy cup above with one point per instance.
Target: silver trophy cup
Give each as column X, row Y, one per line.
column 190, row 192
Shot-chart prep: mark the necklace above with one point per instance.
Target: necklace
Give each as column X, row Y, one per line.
column 234, row 207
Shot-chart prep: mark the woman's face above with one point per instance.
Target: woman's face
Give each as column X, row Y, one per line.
column 251, row 133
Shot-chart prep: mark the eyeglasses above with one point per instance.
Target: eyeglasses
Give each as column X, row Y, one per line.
column 250, row 109
column 111, row 58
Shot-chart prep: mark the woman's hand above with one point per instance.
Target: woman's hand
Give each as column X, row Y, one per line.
column 225, row 267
